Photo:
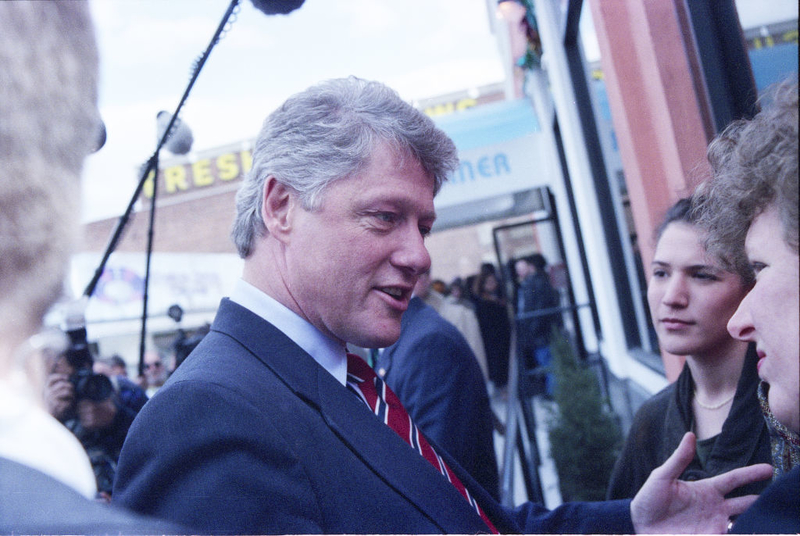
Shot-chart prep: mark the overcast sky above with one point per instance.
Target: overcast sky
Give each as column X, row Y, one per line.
column 421, row 48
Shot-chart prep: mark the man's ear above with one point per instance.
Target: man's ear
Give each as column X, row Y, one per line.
column 278, row 208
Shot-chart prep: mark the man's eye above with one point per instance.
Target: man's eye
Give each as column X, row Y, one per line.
column 386, row 217
column 424, row 231
column 659, row 273
column 757, row 266
column 705, row 276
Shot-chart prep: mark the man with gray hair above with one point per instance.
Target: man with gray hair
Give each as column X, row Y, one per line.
column 270, row 426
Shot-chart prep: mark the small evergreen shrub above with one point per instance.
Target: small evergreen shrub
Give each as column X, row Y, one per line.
column 585, row 438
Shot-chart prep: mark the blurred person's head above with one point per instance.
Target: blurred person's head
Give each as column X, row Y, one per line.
column 183, row 345
column 48, row 124
column 488, row 284
column 751, row 210
column 532, row 264
column 539, row 262
column 155, row 371
column 523, row 268
column 690, row 294
column 111, row 366
column 439, row 286
column 332, row 218
column 487, row 268
column 456, row 289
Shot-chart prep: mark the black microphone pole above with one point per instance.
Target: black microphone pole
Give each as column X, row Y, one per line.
column 147, row 264
column 152, row 165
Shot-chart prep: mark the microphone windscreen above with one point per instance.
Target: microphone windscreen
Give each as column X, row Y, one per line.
column 180, row 138
column 277, row 7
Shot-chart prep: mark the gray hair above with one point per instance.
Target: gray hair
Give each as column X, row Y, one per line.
column 48, row 124
column 327, row 133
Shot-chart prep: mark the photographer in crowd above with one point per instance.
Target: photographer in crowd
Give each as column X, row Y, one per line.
column 90, row 405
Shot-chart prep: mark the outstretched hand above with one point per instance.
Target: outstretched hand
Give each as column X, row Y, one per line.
column 668, row 505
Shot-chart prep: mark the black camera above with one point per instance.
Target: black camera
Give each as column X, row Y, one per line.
column 87, row 384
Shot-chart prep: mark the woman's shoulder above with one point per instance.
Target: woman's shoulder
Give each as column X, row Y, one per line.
column 654, row 408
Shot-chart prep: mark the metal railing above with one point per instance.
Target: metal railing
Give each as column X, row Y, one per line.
column 520, row 433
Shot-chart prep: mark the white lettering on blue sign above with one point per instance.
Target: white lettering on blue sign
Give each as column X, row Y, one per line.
column 486, row 166
column 504, row 168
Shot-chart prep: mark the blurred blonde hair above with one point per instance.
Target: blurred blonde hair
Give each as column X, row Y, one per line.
column 48, row 124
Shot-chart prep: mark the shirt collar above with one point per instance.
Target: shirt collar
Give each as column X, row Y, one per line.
column 328, row 353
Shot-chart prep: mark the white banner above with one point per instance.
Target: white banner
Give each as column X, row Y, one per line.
column 196, row 282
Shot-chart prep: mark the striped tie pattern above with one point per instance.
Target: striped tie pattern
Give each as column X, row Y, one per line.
column 374, row 392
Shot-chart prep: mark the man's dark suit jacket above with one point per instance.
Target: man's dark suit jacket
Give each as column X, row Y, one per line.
column 252, row 435
column 34, row 503
column 436, row 376
column 777, row 510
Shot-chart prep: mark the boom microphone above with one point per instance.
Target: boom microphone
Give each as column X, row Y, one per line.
column 180, row 138
column 277, row 7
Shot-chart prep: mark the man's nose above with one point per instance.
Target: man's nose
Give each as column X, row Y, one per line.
column 412, row 255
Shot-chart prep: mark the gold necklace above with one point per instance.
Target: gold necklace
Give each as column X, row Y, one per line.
column 717, row 406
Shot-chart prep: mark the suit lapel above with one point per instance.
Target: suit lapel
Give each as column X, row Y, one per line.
column 373, row 442
column 290, row 363
column 394, row 461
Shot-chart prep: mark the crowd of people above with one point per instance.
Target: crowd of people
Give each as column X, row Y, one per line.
column 272, row 424
column 483, row 311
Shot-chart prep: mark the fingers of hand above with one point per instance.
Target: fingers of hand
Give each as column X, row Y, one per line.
column 59, row 389
column 679, row 459
column 57, row 379
column 737, row 505
column 727, row 482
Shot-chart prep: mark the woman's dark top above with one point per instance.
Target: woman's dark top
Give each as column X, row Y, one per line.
column 662, row 421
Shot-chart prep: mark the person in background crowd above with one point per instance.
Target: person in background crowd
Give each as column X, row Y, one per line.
column 111, row 366
column 48, row 124
column 536, row 294
column 750, row 207
column 269, row 426
column 457, row 293
column 183, row 345
column 493, row 319
column 439, row 286
column 155, row 372
column 91, row 407
column 692, row 297
column 463, row 318
column 129, row 394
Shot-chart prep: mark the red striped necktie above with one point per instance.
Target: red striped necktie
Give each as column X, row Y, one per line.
column 362, row 380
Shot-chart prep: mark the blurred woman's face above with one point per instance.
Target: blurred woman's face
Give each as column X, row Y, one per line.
column 490, row 283
column 770, row 315
column 691, row 297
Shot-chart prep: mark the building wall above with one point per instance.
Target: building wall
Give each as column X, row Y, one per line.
column 194, row 224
